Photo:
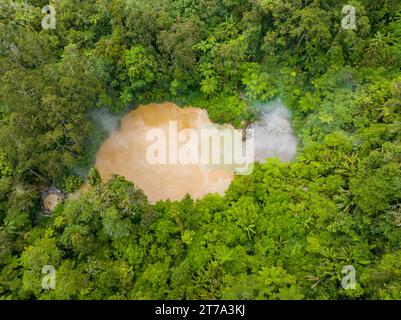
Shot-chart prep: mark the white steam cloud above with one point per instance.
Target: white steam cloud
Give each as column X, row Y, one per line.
column 106, row 120
column 273, row 134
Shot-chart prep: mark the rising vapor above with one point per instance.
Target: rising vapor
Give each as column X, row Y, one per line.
column 273, row 134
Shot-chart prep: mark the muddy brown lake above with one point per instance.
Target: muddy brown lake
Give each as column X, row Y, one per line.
column 126, row 151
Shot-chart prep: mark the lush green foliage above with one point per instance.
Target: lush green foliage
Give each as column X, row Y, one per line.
column 285, row 231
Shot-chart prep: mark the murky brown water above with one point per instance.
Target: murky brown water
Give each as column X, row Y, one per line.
column 51, row 201
column 124, row 153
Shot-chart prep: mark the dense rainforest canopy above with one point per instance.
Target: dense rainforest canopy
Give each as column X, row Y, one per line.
column 283, row 232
